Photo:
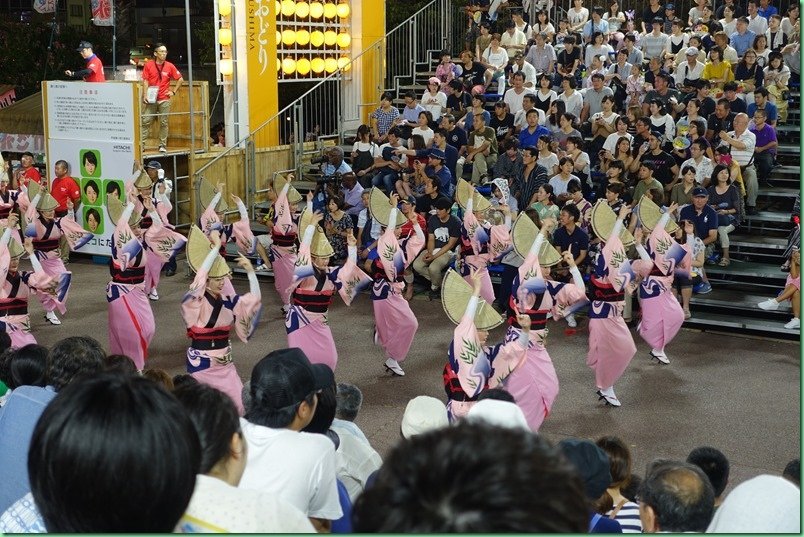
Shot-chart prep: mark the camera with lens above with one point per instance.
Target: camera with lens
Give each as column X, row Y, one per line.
column 335, row 179
column 319, row 160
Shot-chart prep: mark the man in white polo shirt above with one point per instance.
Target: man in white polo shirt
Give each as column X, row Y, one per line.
column 743, row 142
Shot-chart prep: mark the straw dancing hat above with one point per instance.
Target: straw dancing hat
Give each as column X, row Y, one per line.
column 523, row 233
column 380, row 207
column 143, row 181
column 650, row 213
column 15, row 249
column 603, row 220
column 455, row 297
column 198, row 247
column 681, row 142
column 46, row 201
column 320, row 247
column 464, row 191
column 207, row 191
column 115, row 209
column 293, row 195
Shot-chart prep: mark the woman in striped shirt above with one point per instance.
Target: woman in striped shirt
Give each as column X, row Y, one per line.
column 625, row 511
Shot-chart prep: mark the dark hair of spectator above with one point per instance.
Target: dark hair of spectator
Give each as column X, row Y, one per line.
column 615, row 188
column 571, row 81
column 572, row 210
column 119, row 363
column 550, row 191
column 387, row 96
column 496, row 393
column 28, row 366
column 161, row 377
column 675, row 511
column 792, row 472
column 714, row 464
column 72, row 357
column 324, row 412
column 532, row 151
column 183, row 379
column 619, row 455
column 574, row 186
column 348, row 399
column 105, row 429
column 687, row 169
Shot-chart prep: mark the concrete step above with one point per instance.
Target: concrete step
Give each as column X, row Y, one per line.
column 718, row 322
column 779, row 192
column 748, row 273
column 739, row 303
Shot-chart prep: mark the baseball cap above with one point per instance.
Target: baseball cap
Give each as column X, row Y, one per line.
column 82, row 45
column 433, row 80
column 154, row 165
column 670, row 6
column 423, row 414
column 285, row 377
column 692, row 51
column 657, row 133
column 499, row 413
column 590, row 462
column 699, row 191
column 437, row 153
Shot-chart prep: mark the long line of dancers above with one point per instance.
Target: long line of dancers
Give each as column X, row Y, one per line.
column 306, row 282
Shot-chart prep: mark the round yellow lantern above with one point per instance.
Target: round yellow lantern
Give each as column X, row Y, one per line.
column 302, row 37
column 330, row 10
column 278, row 37
column 316, row 10
column 288, row 66
column 288, row 37
column 225, row 36
column 344, row 40
column 343, row 10
column 303, row 66
column 330, row 38
column 288, row 7
column 277, row 7
column 317, row 38
column 331, row 65
column 317, row 65
column 302, row 10
column 278, row 64
column 343, row 61
column 225, row 8
column 226, row 67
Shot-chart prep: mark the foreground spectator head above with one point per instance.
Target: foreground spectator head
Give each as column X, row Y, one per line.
column 792, row 472
column 349, row 400
column 496, row 393
column 160, row 376
column 28, row 366
column 324, row 412
column 715, row 465
column 619, row 460
column 72, row 357
column 430, row 484
column 423, row 414
column 675, row 497
column 764, row 504
column 284, row 389
column 499, row 413
column 113, row 453
column 119, row 363
column 591, row 463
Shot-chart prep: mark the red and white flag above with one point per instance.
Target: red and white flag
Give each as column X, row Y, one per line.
column 44, row 6
column 102, row 12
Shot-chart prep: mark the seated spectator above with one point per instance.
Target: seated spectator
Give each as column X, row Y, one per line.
column 528, row 104
column 217, row 504
column 716, row 467
column 624, row 511
column 742, row 144
column 458, row 100
column 368, row 232
column 584, row 207
column 763, row 504
column 349, row 399
column 501, row 195
column 383, row 118
column 150, row 440
column 720, row 120
column 702, row 165
column 299, row 467
column 388, row 164
column 603, row 125
column 580, row 161
column 68, row 359
column 683, row 285
column 546, row 157
column 705, row 220
column 675, row 497
column 621, row 125
column 509, row 164
column 545, row 204
column 410, row 115
column 762, row 102
column 560, row 181
column 728, row 54
column 444, row 231
column 791, row 292
column 423, row 414
column 495, row 58
column 529, row 136
column 161, row 377
column 433, row 100
column 717, row 70
column 766, row 144
column 736, row 104
column 28, row 366
column 498, row 413
column 662, row 122
column 519, row 65
column 423, row 129
column 777, row 79
column 513, row 97
column 541, row 55
column 482, row 151
column 749, row 75
column 742, row 38
column 478, row 107
column 572, row 99
column 453, row 502
column 567, row 62
column 502, row 122
column 426, row 204
column 566, row 129
column 592, row 465
column 570, row 237
column 681, row 194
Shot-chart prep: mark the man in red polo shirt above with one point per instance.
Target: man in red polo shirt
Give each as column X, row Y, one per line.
column 156, row 76
column 26, row 172
column 64, row 188
column 93, row 72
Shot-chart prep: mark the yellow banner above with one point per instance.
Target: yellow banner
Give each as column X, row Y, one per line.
column 263, row 101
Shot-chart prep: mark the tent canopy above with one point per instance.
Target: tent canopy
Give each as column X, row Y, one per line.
column 23, row 117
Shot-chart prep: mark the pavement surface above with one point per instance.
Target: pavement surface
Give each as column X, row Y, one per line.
column 738, row 394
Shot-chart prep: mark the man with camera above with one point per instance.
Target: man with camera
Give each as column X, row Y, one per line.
column 334, row 170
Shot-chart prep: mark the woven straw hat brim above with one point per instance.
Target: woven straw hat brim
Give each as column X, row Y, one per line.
column 15, row 249
column 455, row 296
column 47, row 203
column 523, row 233
column 206, row 192
column 198, row 247
column 603, row 220
column 115, row 209
column 143, row 181
column 293, row 195
column 464, row 191
column 380, row 207
column 320, row 247
column 650, row 213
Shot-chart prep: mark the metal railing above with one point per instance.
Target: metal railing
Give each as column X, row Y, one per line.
column 336, row 103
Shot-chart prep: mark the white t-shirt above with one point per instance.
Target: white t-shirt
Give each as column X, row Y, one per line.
column 367, row 146
column 218, row 507
column 427, row 134
column 376, row 227
column 498, row 59
column 434, row 103
column 521, row 119
column 528, row 70
column 611, row 141
column 356, row 462
column 508, row 41
column 574, row 103
column 298, row 467
column 549, row 162
column 577, row 17
column 514, row 99
column 559, row 185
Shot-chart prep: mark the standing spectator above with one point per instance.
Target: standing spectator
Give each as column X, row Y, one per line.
column 716, row 467
column 93, row 72
column 675, row 497
column 443, row 233
column 384, row 117
column 64, row 189
column 766, row 143
column 27, row 172
column 743, row 143
column 158, row 75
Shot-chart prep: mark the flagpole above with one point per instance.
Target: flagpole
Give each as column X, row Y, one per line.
column 114, row 40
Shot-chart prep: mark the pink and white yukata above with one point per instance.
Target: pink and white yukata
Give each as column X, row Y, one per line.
column 481, row 244
column 534, row 383
column 394, row 321
column 46, row 235
column 15, row 289
column 313, row 290
column 282, row 252
column 611, row 346
column 209, row 320
column 164, row 239
column 662, row 315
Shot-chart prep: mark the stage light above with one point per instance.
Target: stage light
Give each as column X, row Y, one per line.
column 344, row 40
column 225, row 36
column 288, row 37
column 303, row 66
column 288, row 7
column 226, row 67
column 288, row 66
column 316, row 10
column 317, row 38
column 330, row 38
column 302, row 37
column 331, row 65
column 317, row 65
column 302, row 9
column 330, row 10
column 343, row 10
column 224, row 8
column 343, row 61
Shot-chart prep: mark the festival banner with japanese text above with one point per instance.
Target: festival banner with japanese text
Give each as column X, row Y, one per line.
column 92, row 126
column 102, row 12
column 263, row 100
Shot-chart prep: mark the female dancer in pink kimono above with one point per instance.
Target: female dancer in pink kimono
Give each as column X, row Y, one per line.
column 395, row 324
column 8, row 199
column 45, row 230
column 534, row 383
column 282, row 251
column 473, row 366
column 481, row 244
column 210, row 316
column 131, row 319
column 662, row 315
column 17, row 286
column 313, row 289
column 611, row 346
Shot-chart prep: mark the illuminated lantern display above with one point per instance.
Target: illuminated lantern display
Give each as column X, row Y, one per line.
column 303, row 66
column 225, row 8
column 317, row 65
column 317, row 38
column 288, row 66
column 288, row 7
column 331, row 65
column 316, row 10
column 302, row 10
column 330, row 38
column 288, row 37
column 227, row 67
column 225, row 36
column 344, row 40
column 343, row 10
column 302, row 37
column 330, row 10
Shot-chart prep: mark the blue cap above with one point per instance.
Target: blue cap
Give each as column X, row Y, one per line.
column 154, row 165
column 699, row 191
column 437, row 153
